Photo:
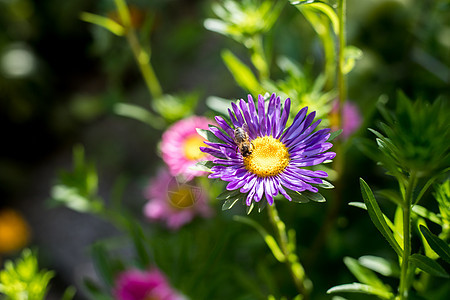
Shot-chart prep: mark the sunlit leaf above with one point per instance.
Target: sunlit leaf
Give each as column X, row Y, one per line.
column 377, row 216
column 104, row 22
column 361, row 288
column 379, row 265
column 425, row 213
column 241, row 73
column 428, row 265
column 363, row 274
column 324, row 8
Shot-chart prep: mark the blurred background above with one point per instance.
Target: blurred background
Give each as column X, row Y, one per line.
column 60, row 77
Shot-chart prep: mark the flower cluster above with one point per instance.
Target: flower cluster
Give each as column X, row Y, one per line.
column 279, row 155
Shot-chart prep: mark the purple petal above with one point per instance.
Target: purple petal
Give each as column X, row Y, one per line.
column 238, row 114
column 261, row 116
column 284, row 117
column 233, row 119
column 298, row 120
column 222, row 123
column 220, row 135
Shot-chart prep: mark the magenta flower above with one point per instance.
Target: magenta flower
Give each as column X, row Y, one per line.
column 144, row 285
column 180, row 146
column 275, row 158
column 173, row 202
column 351, row 118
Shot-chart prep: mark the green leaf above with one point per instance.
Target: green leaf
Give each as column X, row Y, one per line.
column 324, row 8
column 438, row 245
column 352, row 54
column 138, row 113
column 228, row 194
column 228, row 204
column 363, row 274
column 334, row 135
column 204, row 165
column 426, row 246
column 242, row 74
column 102, row 263
column 104, row 22
column 297, row 197
column 209, row 136
column 361, row 288
column 428, row 265
column 218, row 104
column 139, row 242
column 379, row 265
column 94, row 290
column 69, row 293
column 377, row 216
column 425, row 213
column 317, row 197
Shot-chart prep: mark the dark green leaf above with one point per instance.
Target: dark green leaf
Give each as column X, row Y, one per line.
column 428, row 265
column 228, row 194
column 102, row 263
column 228, row 204
column 209, row 136
column 95, row 290
column 325, row 185
column 438, row 245
column 361, row 288
column 377, row 216
column 297, row 197
column 317, row 197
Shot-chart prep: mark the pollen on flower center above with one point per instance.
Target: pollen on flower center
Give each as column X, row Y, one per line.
column 269, row 157
column 182, row 198
column 191, row 147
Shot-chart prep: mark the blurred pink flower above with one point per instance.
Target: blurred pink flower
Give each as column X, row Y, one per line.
column 144, row 285
column 351, row 118
column 180, row 146
column 174, row 202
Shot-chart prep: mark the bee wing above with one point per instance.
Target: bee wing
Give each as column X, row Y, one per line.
column 245, row 127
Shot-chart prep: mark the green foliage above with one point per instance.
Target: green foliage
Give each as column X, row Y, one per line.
column 78, row 189
column 22, row 279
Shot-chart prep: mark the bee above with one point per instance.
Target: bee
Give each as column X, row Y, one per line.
column 243, row 141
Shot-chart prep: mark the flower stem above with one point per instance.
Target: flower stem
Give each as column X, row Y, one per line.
column 140, row 54
column 404, row 286
column 302, row 283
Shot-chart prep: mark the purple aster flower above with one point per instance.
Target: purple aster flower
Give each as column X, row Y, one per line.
column 278, row 156
column 143, row 285
column 176, row 203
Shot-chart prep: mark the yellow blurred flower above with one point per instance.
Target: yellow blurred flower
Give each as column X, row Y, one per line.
column 14, row 231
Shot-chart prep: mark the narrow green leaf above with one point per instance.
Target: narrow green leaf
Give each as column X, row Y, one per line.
column 218, row 104
column 226, row 194
column 104, row 22
column 69, row 293
column 334, row 135
column 317, row 197
column 360, row 288
column 363, row 274
column 377, row 216
column 379, row 265
column 101, row 262
column 250, row 208
column 428, row 265
column 438, row 245
column 324, row 8
column 391, row 195
column 325, row 185
column 241, row 73
column 209, row 136
column 297, row 197
column 426, row 246
column 228, row 204
column 364, row 206
column 204, row 165
column 425, row 213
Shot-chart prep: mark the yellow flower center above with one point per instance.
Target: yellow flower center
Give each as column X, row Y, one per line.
column 191, row 147
column 182, row 198
column 269, row 157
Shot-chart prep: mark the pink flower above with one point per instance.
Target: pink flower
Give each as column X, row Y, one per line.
column 144, row 285
column 174, row 202
column 351, row 118
column 180, row 146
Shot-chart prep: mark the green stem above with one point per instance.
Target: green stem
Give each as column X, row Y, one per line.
column 404, row 286
column 297, row 271
column 142, row 57
column 342, row 89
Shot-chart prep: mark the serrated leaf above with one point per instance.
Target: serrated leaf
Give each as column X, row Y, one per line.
column 377, row 216
column 379, row 265
column 361, row 288
column 438, row 245
column 363, row 274
column 428, row 265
